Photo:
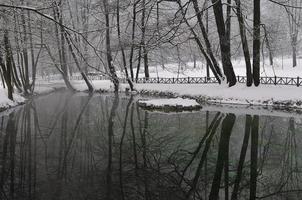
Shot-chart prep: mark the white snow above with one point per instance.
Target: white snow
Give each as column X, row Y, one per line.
column 170, row 102
column 282, row 68
column 238, row 94
column 5, row 102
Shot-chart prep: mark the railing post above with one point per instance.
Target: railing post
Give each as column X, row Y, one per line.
column 298, row 81
column 157, row 79
column 238, row 78
column 275, row 81
column 173, row 80
column 188, row 79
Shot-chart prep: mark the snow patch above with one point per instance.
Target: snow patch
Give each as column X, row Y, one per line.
column 170, row 102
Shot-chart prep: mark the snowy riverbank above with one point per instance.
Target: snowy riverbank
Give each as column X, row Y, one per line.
column 264, row 95
column 281, row 97
column 170, row 104
column 6, row 103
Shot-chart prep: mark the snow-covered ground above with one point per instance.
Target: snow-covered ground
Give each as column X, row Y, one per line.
column 239, row 94
column 170, row 102
column 5, row 102
column 214, row 93
column 282, row 68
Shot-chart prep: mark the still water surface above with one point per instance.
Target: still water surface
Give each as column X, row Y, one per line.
column 67, row 146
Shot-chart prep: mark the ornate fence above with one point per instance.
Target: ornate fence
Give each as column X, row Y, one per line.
column 297, row 81
column 240, row 79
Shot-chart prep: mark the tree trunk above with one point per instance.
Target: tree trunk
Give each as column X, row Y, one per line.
column 121, row 46
column 25, row 54
column 132, row 39
column 256, row 43
column 143, row 42
column 223, row 40
column 90, row 87
column 61, row 49
column 254, row 157
column 200, row 46
column 205, row 37
column 226, row 131
column 7, row 67
column 228, row 24
column 245, row 46
column 112, row 71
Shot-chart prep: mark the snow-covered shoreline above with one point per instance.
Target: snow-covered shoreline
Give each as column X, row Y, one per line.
column 6, row 103
column 279, row 97
column 282, row 98
column 170, row 104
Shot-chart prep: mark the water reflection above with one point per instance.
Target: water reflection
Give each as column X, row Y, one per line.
column 66, row 146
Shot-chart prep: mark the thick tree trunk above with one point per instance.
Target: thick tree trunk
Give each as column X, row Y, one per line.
column 256, row 43
column 245, row 46
column 254, row 157
column 223, row 40
column 226, row 131
column 7, row 66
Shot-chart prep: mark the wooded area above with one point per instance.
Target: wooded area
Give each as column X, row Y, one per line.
column 120, row 39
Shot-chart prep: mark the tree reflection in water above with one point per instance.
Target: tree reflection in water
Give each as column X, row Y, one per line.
column 76, row 146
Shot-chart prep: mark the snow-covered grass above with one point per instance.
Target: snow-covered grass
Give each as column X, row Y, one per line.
column 239, row 94
column 290, row 96
column 282, row 67
column 170, row 102
column 6, row 103
column 287, row 96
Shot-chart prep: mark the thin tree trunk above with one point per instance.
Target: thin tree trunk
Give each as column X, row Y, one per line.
column 132, row 39
column 228, row 24
column 200, row 46
column 121, row 46
column 205, row 37
column 143, row 42
column 25, row 53
column 90, row 87
column 256, row 43
column 111, row 67
column 248, row 122
column 245, row 46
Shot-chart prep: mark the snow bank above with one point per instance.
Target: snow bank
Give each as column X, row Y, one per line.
column 240, row 94
column 171, row 104
column 6, row 103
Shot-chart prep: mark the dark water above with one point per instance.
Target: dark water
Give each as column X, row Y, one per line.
column 64, row 146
